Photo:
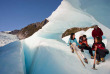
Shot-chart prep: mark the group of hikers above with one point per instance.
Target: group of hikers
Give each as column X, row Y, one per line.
column 97, row 46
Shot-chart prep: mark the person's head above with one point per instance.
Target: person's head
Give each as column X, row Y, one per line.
column 84, row 37
column 72, row 36
column 98, row 40
column 96, row 26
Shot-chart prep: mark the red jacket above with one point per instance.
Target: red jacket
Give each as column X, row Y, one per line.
column 84, row 42
column 99, row 46
column 97, row 32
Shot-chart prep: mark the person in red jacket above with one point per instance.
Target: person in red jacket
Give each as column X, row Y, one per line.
column 84, row 45
column 101, row 51
column 97, row 32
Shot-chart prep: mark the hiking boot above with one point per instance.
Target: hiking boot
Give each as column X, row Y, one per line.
column 72, row 51
column 92, row 57
column 102, row 59
column 85, row 60
column 98, row 62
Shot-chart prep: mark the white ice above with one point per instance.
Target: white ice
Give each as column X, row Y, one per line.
column 7, row 38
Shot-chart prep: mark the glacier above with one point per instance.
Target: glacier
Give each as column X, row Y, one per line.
column 7, row 38
column 12, row 59
column 46, row 53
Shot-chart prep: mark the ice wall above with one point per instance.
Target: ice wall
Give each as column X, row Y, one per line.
column 12, row 59
column 45, row 52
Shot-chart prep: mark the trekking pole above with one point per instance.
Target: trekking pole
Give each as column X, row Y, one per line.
column 81, row 54
column 94, row 61
column 78, row 56
column 85, row 60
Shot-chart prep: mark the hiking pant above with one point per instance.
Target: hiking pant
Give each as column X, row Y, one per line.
column 101, row 53
column 77, row 50
column 86, row 48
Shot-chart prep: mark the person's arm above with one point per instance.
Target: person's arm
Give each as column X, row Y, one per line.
column 77, row 43
column 103, row 45
column 80, row 43
column 101, row 32
column 93, row 46
column 69, row 43
column 87, row 44
column 93, row 34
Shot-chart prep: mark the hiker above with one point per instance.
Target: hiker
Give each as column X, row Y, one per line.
column 73, row 43
column 101, row 51
column 72, row 39
column 97, row 32
column 84, row 45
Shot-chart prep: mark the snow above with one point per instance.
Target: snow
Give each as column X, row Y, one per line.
column 46, row 53
column 7, row 38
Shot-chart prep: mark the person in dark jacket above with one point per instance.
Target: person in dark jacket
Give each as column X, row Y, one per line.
column 84, row 45
column 101, row 51
column 97, row 32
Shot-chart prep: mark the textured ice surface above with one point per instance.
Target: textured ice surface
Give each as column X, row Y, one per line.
column 7, row 38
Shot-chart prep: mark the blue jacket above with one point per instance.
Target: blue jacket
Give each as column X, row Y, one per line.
column 71, row 41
